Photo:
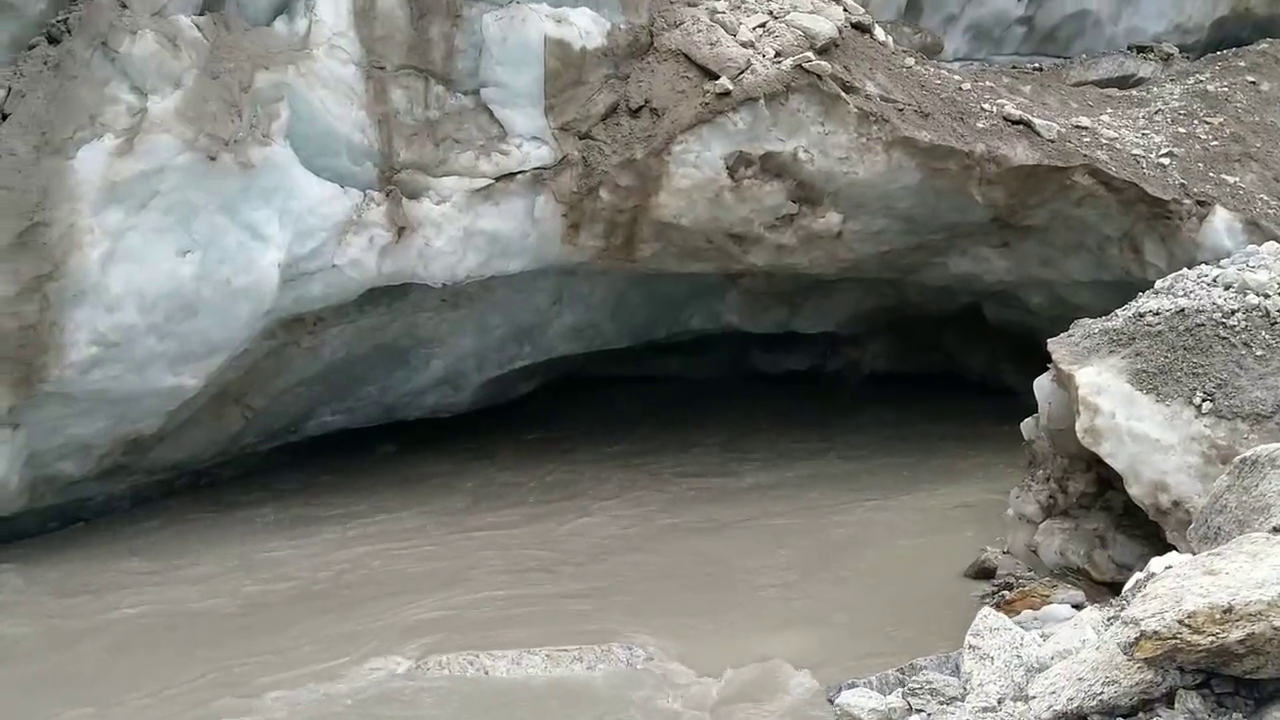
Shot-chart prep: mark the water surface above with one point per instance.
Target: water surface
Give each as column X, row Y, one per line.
column 765, row 537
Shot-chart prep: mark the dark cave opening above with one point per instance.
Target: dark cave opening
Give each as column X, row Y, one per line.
column 923, row 359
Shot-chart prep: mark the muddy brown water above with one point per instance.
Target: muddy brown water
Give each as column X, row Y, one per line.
column 765, row 538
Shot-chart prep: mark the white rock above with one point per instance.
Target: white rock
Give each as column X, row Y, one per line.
column 861, row 704
column 822, row 68
column 999, row 659
column 819, row 31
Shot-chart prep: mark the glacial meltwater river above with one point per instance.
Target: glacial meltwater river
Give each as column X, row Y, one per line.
column 764, row 538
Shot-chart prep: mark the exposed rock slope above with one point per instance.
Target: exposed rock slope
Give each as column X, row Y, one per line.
column 224, row 231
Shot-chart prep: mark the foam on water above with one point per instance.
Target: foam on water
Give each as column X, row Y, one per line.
column 592, row 682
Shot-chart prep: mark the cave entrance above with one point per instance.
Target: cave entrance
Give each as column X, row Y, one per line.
column 952, row 379
column 739, row 502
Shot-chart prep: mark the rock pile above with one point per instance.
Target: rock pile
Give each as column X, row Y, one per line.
column 1193, row 635
column 1198, row 641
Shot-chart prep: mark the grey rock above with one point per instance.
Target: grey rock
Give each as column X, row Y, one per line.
column 999, row 660
column 984, row 566
column 929, row 692
column 1099, row 678
column 727, row 22
column 819, row 31
column 1246, row 499
column 1010, row 566
column 890, row 681
column 708, row 45
column 1119, row 70
column 1218, row 612
column 861, row 704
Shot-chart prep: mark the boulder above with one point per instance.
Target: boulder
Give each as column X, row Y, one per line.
column 1218, row 612
column 985, row 565
column 999, row 660
column 861, row 704
column 1098, row 679
column 1121, row 71
column 1246, row 499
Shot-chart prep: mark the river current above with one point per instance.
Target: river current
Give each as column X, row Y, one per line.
column 763, row 539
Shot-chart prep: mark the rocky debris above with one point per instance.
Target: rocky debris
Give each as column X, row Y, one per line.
column 539, row 662
column 1270, row 711
column 1196, row 639
column 1218, row 611
column 1071, row 511
column 1246, row 499
column 1121, row 71
column 1030, row 592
